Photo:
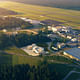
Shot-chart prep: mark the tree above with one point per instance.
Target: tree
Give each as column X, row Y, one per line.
column 5, row 41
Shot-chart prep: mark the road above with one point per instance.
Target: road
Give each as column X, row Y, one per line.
column 71, row 72
column 28, row 30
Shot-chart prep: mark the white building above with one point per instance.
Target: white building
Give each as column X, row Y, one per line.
column 61, row 28
column 73, row 39
column 54, row 29
column 35, row 22
column 49, row 28
column 36, row 49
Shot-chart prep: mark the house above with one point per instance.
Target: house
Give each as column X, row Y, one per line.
column 56, row 28
column 60, row 45
column 73, row 53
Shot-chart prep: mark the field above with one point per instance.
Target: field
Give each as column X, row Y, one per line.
column 68, row 17
column 15, row 50
column 66, row 4
column 17, row 59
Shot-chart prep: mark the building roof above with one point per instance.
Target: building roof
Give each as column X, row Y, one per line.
column 75, row 52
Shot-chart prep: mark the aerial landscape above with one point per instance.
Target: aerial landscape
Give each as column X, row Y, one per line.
column 39, row 40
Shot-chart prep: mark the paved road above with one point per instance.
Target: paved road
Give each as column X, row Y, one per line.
column 28, row 30
column 70, row 74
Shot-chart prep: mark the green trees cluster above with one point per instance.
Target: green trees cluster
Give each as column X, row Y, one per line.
column 4, row 41
column 27, row 72
column 13, row 23
column 20, row 40
column 23, row 39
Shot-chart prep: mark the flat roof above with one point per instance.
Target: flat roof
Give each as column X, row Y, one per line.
column 75, row 52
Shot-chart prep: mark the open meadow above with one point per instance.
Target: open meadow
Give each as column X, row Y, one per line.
column 68, row 17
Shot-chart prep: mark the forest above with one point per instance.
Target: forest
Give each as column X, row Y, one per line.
column 21, row 40
column 27, row 72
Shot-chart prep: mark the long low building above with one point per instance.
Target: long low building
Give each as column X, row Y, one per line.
column 73, row 53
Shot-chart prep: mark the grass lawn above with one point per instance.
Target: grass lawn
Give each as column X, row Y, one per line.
column 17, row 59
column 61, row 69
column 16, row 56
column 69, row 17
column 15, row 50
column 25, row 60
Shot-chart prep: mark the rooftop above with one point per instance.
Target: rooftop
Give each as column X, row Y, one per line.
column 75, row 52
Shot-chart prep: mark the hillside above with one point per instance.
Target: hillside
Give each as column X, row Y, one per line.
column 68, row 17
column 7, row 12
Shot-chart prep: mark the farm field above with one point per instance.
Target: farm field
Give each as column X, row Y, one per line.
column 17, row 59
column 68, row 17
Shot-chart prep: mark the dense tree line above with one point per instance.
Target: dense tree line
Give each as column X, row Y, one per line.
column 13, row 23
column 23, row 39
column 27, row 72
column 5, row 41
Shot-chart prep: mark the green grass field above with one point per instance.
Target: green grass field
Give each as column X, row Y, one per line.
column 69, row 17
column 17, row 59
column 15, row 50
